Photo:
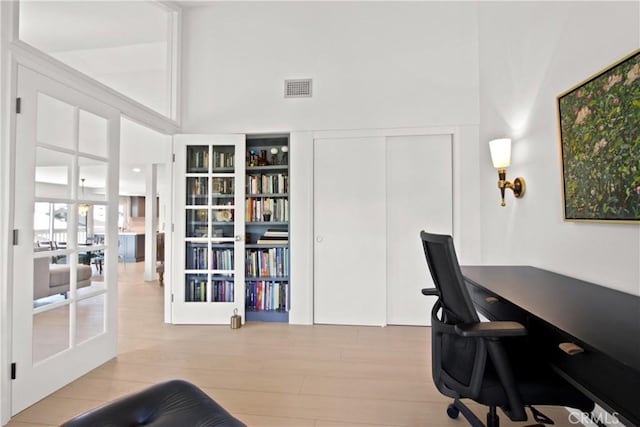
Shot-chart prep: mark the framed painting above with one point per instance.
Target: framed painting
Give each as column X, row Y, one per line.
column 599, row 123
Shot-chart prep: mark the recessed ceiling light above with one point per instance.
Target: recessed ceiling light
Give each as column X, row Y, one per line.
column 136, row 170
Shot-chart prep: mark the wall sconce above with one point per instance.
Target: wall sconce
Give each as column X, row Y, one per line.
column 501, row 158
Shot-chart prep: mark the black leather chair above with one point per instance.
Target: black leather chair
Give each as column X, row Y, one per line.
column 169, row 404
column 491, row 363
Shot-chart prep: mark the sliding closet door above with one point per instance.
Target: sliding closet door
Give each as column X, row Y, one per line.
column 419, row 197
column 349, row 228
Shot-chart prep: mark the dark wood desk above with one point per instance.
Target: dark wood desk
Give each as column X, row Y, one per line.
column 557, row 309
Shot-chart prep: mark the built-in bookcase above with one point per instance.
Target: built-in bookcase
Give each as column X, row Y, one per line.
column 267, row 286
column 232, row 229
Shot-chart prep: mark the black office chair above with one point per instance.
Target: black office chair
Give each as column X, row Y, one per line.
column 491, row 363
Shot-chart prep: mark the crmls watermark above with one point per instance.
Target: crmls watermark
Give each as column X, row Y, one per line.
column 601, row 418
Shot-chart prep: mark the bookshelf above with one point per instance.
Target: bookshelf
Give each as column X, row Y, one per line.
column 231, row 229
column 267, row 287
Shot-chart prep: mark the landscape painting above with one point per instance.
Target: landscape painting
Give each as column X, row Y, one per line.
column 599, row 122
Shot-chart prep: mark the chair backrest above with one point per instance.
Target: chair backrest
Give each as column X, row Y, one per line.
column 457, row 363
column 445, row 271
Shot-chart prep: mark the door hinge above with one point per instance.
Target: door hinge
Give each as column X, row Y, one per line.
column 18, row 105
column 173, row 156
column 172, row 228
column 171, row 297
column 15, row 237
column 13, row 371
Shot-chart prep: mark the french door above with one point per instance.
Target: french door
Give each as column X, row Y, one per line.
column 65, row 217
column 208, row 242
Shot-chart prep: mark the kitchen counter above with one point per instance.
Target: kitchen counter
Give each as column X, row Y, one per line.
column 131, row 246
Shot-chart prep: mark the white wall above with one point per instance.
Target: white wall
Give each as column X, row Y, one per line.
column 374, row 65
column 529, row 53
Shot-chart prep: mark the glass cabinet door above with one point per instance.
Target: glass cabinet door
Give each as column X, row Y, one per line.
column 211, row 185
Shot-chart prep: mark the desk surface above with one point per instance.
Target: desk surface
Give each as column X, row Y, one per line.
column 606, row 319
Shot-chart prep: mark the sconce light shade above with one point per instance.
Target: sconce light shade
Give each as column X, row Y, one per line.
column 500, row 152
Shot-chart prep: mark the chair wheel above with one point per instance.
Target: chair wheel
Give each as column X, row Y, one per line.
column 452, row 411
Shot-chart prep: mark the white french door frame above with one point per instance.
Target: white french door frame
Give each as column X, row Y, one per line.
column 36, row 379
column 183, row 312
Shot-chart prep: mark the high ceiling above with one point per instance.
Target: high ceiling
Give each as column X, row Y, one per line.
column 120, row 43
column 55, row 26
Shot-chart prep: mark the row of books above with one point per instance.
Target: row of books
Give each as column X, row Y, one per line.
column 221, row 259
column 197, row 258
column 222, row 291
column 264, row 295
column 222, row 186
column 276, row 183
column 222, row 159
column 197, row 159
column 272, row 262
column 196, row 291
column 276, row 210
column 197, row 186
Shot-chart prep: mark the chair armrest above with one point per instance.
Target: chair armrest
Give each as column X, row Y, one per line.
column 431, row 292
column 491, row 329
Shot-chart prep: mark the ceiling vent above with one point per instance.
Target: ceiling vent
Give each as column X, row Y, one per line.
column 300, row 88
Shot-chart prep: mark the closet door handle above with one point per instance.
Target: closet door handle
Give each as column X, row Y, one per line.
column 319, row 239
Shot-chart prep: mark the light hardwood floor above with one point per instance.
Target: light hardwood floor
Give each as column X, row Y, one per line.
column 266, row 374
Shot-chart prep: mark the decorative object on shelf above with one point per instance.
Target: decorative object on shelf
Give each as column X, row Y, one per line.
column 501, row 158
column 266, row 215
column 223, row 216
column 284, row 157
column 599, row 121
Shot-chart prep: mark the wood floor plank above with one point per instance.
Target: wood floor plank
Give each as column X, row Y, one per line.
column 266, row 374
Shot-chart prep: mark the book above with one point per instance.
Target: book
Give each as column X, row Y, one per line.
column 273, row 241
column 276, row 233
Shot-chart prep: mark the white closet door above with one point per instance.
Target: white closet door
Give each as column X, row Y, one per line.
column 349, row 228
column 419, row 197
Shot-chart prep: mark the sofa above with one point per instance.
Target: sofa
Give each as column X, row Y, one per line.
column 51, row 279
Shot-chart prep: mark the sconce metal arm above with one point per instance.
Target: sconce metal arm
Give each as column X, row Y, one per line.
column 518, row 185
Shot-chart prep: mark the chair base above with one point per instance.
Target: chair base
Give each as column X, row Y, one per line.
column 493, row 420
column 458, row 407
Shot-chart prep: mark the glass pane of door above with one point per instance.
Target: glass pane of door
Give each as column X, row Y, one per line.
column 53, row 173
column 56, row 126
column 92, row 179
column 92, row 136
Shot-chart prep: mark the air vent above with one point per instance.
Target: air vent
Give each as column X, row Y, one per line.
column 300, row 88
